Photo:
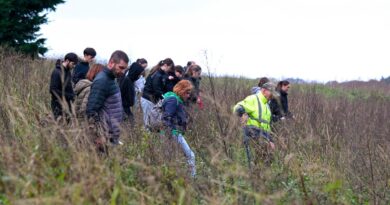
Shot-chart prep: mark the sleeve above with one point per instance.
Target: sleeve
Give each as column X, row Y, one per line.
column 96, row 99
column 170, row 108
column 275, row 109
column 55, row 84
column 158, row 87
column 245, row 106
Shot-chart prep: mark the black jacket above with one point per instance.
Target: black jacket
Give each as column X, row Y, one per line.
column 80, row 71
column 155, row 86
column 126, row 84
column 279, row 106
column 60, row 87
column 196, row 89
column 171, row 83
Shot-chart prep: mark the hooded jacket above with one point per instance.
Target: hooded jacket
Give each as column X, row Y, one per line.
column 82, row 90
column 126, row 84
column 174, row 115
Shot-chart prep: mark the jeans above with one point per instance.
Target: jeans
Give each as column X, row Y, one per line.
column 146, row 106
column 188, row 153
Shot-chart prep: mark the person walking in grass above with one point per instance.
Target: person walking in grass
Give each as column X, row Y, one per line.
column 175, row 118
column 279, row 105
column 155, row 87
column 127, row 87
column 81, row 69
column 104, row 107
column 255, row 115
column 83, row 88
column 193, row 74
column 61, row 90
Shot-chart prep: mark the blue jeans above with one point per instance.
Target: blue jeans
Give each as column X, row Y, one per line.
column 189, row 154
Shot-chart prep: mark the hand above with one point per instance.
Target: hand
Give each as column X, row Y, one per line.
column 272, row 145
column 244, row 118
column 170, row 77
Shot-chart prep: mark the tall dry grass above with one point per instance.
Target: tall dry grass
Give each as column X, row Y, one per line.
column 335, row 151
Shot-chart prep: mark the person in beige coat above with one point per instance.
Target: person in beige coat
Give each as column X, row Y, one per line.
column 82, row 90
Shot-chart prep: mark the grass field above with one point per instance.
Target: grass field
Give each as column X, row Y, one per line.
column 335, row 151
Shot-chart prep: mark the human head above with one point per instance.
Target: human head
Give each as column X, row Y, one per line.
column 89, row 54
column 142, row 62
column 167, row 65
column 70, row 60
column 179, row 71
column 262, row 81
column 283, row 85
column 194, row 71
column 268, row 90
column 190, row 63
column 93, row 71
column 118, row 63
column 183, row 89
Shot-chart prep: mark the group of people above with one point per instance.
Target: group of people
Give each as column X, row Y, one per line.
column 103, row 95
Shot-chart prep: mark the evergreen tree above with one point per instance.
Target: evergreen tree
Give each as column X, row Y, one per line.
column 20, row 21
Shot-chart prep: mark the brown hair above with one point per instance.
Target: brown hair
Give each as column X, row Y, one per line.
column 182, row 87
column 192, row 69
column 119, row 55
column 93, row 71
column 262, row 81
column 167, row 61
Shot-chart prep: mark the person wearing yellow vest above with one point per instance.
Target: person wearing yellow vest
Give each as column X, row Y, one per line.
column 256, row 115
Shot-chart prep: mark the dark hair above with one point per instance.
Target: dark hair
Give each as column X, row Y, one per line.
column 262, row 81
column 190, row 63
column 282, row 83
column 192, row 69
column 141, row 61
column 93, row 71
column 72, row 57
column 90, row 52
column 119, row 55
column 167, row 61
column 179, row 69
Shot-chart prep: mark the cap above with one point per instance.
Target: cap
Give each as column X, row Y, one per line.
column 271, row 87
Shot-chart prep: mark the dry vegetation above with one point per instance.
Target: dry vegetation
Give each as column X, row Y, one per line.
column 336, row 151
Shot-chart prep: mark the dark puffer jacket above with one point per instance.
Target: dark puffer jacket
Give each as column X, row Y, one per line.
column 80, row 71
column 105, row 103
column 60, row 81
column 155, row 86
column 174, row 114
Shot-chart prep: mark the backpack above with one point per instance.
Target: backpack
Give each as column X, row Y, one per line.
column 155, row 117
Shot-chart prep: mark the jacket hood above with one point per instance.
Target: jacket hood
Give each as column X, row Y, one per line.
column 172, row 94
column 255, row 90
column 81, row 85
column 135, row 71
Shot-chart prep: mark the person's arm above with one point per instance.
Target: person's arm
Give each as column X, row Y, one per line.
column 96, row 99
column 158, row 87
column 55, row 84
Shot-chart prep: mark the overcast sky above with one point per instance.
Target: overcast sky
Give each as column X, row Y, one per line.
column 310, row 39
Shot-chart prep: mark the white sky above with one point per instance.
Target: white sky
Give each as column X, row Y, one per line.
column 310, row 39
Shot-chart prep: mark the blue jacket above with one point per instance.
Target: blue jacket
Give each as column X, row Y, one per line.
column 105, row 103
column 174, row 114
column 80, row 71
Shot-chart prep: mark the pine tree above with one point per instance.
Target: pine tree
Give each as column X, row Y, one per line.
column 20, row 22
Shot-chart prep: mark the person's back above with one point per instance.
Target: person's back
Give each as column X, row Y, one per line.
column 82, row 90
column 155, row 86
